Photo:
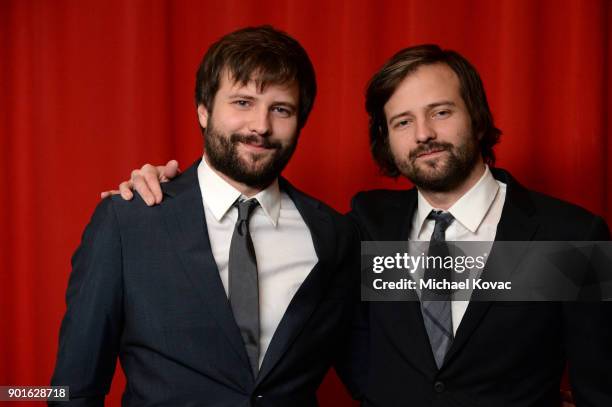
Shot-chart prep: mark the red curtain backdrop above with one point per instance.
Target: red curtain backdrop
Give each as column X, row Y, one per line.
column 92, row 89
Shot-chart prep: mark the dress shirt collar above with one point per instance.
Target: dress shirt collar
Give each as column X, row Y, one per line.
column 220, row 195
column 470, row 209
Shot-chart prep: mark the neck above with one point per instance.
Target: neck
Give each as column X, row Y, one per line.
column 244, row 189
column 444, row 200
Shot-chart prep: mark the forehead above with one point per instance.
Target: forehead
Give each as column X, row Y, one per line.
column 428, row 84
column 255, row 87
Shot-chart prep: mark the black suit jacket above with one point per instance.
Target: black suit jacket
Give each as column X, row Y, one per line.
column 504, row 354
column 145, row 288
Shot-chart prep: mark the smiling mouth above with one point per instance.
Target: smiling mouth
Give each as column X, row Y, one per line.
column 257, row 145
column 252, row 143
column 429, row 153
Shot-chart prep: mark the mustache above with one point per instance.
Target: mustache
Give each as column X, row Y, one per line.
column 428, row 148
column 261, row 141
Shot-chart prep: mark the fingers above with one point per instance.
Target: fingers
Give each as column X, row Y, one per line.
column 170, row 170
column 148, row 179
column 106, row 194
column 138, row 182
column 125, row 189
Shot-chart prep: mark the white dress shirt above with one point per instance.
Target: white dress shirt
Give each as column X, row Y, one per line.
column 476, row 214
column 282, row 241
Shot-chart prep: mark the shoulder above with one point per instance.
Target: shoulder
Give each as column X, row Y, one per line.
column 124, row 208
column 128, row 217
column 552, row 206
column 382, row 198
column 184, row 185
column 110, row 210
column 382, row 214
column 557, row 219
column 380, row 201
column 570, row 220
column 302, row 199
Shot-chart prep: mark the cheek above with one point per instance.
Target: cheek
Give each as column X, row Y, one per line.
column 456, row 129
column 400, row 144
column 226, row 120
column 285, row 130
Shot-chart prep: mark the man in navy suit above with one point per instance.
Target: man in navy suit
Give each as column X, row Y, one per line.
column 430, row 122
column 236, row 289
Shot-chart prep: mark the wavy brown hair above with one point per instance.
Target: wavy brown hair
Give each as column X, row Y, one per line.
column 384, row 83
column 262, row 54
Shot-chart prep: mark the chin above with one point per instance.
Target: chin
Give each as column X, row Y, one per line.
column 255, row 162
column 434, row 169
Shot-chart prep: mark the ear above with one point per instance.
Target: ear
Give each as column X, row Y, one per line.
column 203, row 115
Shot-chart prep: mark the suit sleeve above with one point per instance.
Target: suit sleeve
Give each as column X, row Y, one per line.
column 588, row 342
column 353, row 360
column 91, row 328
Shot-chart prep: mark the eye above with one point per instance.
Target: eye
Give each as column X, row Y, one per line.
column 241, row 103
column 441, row 114
column 282, row 111
column 400, row 124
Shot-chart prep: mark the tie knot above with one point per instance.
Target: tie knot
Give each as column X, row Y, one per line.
column 443, row 221
column 245, row 208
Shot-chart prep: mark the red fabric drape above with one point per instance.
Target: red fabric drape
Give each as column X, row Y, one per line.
column 90, row 90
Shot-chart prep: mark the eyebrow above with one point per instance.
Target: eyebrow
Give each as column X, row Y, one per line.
column 240, row 96
column 428, row 107
column 286, row 104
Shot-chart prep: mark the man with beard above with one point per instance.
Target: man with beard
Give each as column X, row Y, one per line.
column 430, row 122
column 235, row 289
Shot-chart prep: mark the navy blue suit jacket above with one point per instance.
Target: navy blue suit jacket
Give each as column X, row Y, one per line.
column 145, row 288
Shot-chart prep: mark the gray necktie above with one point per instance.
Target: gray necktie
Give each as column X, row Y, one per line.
column 243, row 283
column 436, row 308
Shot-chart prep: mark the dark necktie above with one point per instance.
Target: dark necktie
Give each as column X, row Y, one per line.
column 243, row 283
column 437, row 314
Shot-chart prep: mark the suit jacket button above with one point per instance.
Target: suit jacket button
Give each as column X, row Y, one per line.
column 439, row 387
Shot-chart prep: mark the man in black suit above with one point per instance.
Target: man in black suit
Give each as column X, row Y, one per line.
column 235, row 289
column 430, row 122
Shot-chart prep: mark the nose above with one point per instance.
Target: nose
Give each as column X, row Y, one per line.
column 424, row 131
column 260, row 122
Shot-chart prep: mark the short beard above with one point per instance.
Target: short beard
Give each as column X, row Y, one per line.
column 445, row 174
column 222, row 154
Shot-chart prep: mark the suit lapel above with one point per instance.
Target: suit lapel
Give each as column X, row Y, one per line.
column 309, row 294
column 186, row 223
column 403, row 320
column 516, row 224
